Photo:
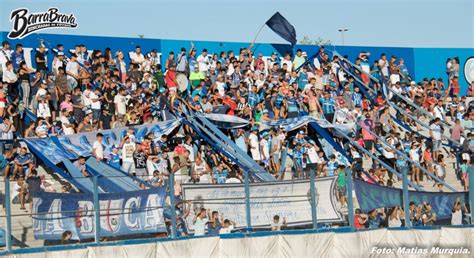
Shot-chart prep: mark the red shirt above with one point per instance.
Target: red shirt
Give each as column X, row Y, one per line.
column 171, row 79
column 231, row 104
column 357, row 223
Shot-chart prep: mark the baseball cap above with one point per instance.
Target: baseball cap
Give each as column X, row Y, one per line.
column 88, row 111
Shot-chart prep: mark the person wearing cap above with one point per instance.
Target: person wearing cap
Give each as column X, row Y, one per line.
column 58, row 61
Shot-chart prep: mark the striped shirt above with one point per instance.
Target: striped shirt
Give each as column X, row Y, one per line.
column 327, row 105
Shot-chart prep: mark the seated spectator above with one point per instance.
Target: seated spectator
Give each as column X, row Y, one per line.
column 24, row 162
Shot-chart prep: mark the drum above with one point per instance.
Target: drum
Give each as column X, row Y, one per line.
column 182, row 81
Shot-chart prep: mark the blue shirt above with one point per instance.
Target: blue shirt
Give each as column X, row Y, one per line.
column 292, row 106
column 114, row 160
column 356, row 99
column 327, row 105
column 219, row 176
column 24, row 158
column 332, row 166
column 253, row 99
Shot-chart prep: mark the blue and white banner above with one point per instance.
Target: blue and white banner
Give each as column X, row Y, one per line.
column 124, row 213
column 291, row 124
column 289, row 200
column 372, row 196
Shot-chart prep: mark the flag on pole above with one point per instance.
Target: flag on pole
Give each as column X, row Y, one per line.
column 282, row 27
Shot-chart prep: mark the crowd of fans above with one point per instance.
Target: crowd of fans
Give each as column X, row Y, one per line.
column 86, row 92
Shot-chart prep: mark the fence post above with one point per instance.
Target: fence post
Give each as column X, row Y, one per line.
column 247, row 200
column 350, row 204
column 314, row 214
column 8, row 215
column 173, row 207
column 96, row 211
column 406, row 200
column 470, row 172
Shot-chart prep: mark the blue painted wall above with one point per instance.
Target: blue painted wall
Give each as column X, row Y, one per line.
column 421, row 62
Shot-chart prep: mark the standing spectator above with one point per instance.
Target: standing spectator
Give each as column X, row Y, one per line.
column 98, row 148
column 41, row 64
column 200, row 221
column 72, row 71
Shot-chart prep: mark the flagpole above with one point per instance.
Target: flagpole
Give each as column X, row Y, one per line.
column 256, row 36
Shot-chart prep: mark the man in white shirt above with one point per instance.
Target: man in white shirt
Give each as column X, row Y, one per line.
column 120, row 101
column 265, row 149
column 68, row 128
column 128, row 148
column 227, row 227
column 287, row 61
column 277, row 223
column 254, row 145
column 72, row 71
column 5, row 55
column 137, row 57
column 383, row 65
column 203, row 61
column 96, row 98
column 98, row 148
column 9, row 75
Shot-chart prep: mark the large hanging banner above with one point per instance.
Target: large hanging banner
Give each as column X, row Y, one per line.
column 124, row 213
column 372, row 196
column 289, row 200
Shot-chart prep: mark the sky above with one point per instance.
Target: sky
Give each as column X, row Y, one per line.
column 402, row 23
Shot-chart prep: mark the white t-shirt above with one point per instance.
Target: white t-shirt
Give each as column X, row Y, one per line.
column 276, row 226
column 200, row 226
column 312, row 155
column 99, row 149
column 137, row 58
column 436, row 130
column 72, row 67
column 86, row 98
column 289, row 64
column 43, row 110
column 127, row 152
column 9, row 76
column 254, row 147
column 203, row 63
column 384, row 65
column 221, row 88
column 41, row 93
column 227, row 230
column 67, row 130
column 121, row 101
column 456, row 218
column 265, row 148
column 94, row 104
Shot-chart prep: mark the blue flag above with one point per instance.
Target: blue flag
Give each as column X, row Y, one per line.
column 282, row 27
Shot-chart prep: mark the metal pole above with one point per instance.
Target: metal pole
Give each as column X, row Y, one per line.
column 350, row 204
column 314, row 214
column 96, row 210
column 247, row 200
column 173, row 207
column 471, row 189
column 406, row 200
column 8, row 213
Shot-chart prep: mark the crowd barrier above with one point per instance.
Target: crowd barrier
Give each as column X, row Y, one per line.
column 434, row 242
